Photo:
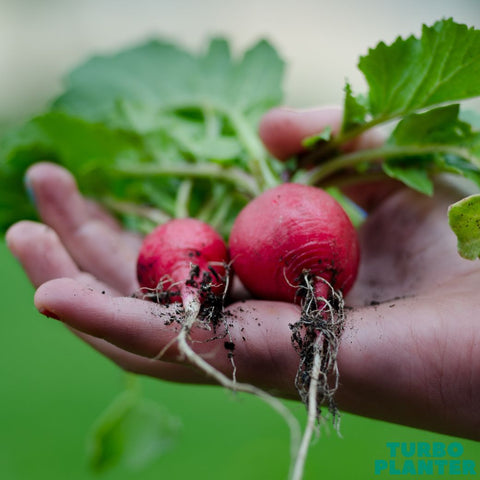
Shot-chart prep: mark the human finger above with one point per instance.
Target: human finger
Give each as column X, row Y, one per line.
column 97, row 212
column 283, row 130
column 259, row 331
column 96, row 247
column 43, row 256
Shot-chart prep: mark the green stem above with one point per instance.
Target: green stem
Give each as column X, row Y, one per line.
column 218, row 219
column 241, row 180
column 345, row 137
column 258, row 164
column 126, row 208
column 324, row 150
column 258, row 159
column 352, row 178
column 377, row 155
column 219, row 192
column 212, row 124
column 183, row 199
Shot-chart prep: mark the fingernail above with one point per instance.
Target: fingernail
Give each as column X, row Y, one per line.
column 29, row 189
column 49, row 313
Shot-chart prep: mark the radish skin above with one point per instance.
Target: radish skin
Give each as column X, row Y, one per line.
column 287, row 231
column 172, row 250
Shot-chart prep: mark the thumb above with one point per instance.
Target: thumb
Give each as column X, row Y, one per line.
column 283, row 130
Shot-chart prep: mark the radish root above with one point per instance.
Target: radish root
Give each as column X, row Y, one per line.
column 203, row 315
column 236, row 386
column 316, row 337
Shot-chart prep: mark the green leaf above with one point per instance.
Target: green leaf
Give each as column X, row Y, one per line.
column 257, row 78
column 324, row 136
column 132, row 432
column 154, row 74
column 412, row 172
column 437, row 141
column 217, row 70
column 355, row 110
column 442, row 131
column 464, row 219
column 159, row 75
column 155, row 104
column 410, row 74
column 209, row 105
column 439, row 126
column 87, row 150
column 77, row 144
column 410, row 81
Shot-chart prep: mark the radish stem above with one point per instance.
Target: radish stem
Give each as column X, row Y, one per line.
column 232, row 175
column 183, row 198
column 258, row 161
column 155, row 215
column 377, row 155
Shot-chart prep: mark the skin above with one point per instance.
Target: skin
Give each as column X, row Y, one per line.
column 413, row 358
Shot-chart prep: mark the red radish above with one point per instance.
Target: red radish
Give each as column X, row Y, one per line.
column 286, row 245
column 181, row 260
column 288, row 231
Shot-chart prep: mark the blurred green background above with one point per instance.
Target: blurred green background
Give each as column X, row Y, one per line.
column 53, row 386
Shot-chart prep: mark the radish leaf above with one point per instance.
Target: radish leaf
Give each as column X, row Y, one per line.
column 410, row 173
column 439, row 126
column 324, row 136
column 355, row 110
column 437, row 141
column 154, row 105
column 410, row 74
column 161, row 76
column 415, row 82
column 464, row 219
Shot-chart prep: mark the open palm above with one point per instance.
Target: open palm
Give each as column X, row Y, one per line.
column 411, row 349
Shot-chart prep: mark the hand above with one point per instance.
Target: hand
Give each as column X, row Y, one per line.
column 410, row 352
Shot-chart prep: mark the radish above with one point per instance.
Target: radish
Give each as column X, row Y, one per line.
column 185, row 260
column 287, row 232
column 295, row 243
